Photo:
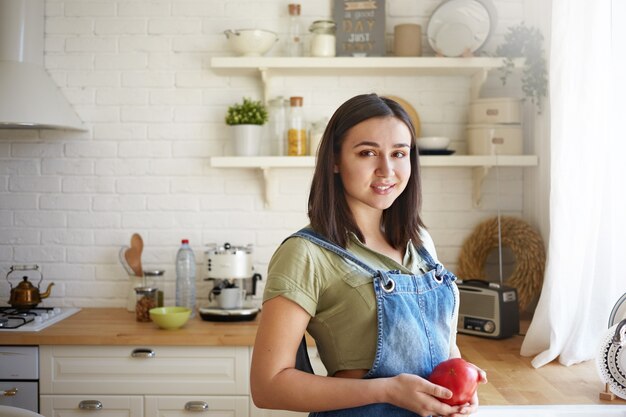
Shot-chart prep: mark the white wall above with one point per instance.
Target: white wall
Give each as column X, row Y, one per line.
column 138, row 74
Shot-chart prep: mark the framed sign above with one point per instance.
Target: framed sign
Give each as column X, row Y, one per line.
column 360, row 27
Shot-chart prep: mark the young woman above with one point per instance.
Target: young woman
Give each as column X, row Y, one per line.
column 362, row 279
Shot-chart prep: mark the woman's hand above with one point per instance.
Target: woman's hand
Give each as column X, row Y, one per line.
column 472, row 406
column 420, row 396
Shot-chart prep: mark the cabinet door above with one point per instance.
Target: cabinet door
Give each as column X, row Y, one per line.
column 184, row 406
column 111, row 406
column 129, row 370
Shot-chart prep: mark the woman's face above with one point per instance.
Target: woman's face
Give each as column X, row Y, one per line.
column 374, row 163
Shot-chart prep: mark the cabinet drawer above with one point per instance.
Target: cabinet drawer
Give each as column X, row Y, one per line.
column 112, row 406
column 175, row 406
column 125, row 370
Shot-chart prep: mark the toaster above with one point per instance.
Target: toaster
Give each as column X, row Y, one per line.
column 488, row 309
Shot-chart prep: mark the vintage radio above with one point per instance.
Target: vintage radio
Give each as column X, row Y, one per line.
column 488, row 309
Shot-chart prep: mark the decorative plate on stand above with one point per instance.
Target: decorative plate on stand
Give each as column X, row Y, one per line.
column 619, row 311
column 460, row 27
column 611, row 361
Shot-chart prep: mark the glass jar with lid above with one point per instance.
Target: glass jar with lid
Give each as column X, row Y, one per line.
column 323, row 38
column 153, row 278
column 146, row 300
column 296, row 134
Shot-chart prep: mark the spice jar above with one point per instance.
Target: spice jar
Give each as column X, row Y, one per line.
column 322, row 38
column 146, row 300
column 152, row 278
column 296, row 135
column 294, row 37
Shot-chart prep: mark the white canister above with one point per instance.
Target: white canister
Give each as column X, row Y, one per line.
column 323, row 38
column 495, row 139
column 506, row 110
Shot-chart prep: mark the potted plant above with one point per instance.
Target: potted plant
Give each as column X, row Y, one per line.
column 526, row 42
column 247, row 119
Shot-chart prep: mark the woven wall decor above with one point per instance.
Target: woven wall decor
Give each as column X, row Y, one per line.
column 525, row 243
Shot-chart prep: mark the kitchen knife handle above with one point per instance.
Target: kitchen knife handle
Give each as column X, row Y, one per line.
column 90, row 405
column 196, row 406
column 143, row 353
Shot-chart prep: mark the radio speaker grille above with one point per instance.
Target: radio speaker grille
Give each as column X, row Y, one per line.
column 477, row 305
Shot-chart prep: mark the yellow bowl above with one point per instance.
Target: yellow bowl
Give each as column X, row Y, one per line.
column 170, row 318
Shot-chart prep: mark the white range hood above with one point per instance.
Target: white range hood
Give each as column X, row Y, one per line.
column 29, row 98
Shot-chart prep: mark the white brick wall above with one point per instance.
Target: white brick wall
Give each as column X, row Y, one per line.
column 138, row 74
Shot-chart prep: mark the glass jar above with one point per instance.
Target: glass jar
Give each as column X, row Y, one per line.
column 294, row 36
column 152, row 280
column 278, row 124
column 296, row 135
column 315, row 137
column 146, row 300
column 323, row 38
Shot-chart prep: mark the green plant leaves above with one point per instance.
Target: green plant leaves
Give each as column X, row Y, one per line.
column 248, row 112
column 527, row 42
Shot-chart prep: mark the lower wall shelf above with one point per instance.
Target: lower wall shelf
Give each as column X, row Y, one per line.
column 481, row 164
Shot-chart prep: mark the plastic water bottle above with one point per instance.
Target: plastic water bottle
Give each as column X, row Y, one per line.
column 186, row 277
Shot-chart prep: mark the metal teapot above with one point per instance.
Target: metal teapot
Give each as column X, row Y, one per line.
column 25, row 295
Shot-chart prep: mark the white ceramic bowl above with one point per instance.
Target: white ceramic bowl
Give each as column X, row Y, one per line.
column 251, row 42
column 433, row 143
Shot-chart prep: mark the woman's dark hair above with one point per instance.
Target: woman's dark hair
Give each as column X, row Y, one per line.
column 329, row 213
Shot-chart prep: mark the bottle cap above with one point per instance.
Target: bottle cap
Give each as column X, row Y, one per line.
column 295, row 101
column 184, row 241
column 294, row 9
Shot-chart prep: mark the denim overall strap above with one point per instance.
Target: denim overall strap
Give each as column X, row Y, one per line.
column 320, row 240
column 437, row 267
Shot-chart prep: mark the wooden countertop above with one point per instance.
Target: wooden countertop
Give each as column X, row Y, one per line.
column 117, row 326
column 512, row 379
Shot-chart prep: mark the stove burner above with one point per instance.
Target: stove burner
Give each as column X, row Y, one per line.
column 14, row 318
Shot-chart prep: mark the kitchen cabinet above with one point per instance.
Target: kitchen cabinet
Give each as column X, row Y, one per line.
column 266, row 68
column 139, row 381
column 134, row 381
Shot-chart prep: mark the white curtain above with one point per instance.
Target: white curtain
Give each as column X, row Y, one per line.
column 586, row 268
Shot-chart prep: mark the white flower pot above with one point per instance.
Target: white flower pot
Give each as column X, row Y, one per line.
column 247, row 139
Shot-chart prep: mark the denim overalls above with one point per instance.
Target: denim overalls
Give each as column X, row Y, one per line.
column 414, row 314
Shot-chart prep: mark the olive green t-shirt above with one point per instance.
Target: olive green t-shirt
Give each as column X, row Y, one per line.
column 339, row 295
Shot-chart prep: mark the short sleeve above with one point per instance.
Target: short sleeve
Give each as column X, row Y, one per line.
column 292, row 274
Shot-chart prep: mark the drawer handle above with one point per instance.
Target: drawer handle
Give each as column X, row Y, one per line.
column 90, row 405
column 143, row 353
column 196, row 406
column 11, row 392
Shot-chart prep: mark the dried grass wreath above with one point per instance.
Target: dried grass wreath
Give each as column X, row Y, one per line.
column 525, row 243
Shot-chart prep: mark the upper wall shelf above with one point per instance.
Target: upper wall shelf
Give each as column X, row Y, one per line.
column 481, row 164
column 476, row 67
column 468, row 161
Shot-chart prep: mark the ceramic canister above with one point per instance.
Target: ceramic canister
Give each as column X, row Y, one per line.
column 407, row 40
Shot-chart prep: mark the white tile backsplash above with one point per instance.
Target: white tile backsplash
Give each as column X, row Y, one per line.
column 138, row 74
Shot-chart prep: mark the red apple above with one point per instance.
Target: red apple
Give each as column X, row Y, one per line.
column 459, row 376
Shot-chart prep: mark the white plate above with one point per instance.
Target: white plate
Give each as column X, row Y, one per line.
column 619, row 311
column 460, row 26
column 611, row 362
